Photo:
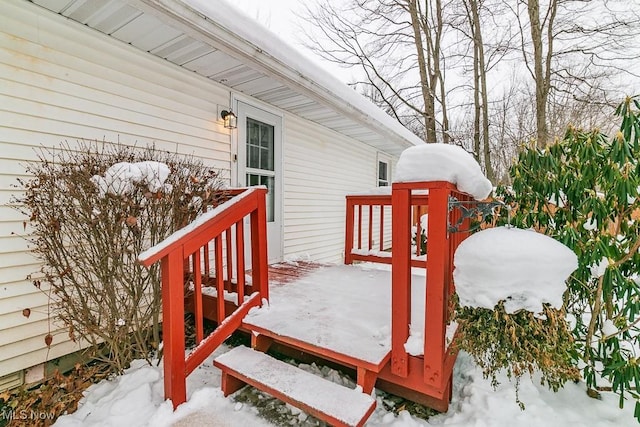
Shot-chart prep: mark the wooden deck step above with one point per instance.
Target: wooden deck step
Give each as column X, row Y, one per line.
column 325, row 400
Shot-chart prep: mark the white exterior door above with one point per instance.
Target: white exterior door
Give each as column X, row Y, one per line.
column 260, row 163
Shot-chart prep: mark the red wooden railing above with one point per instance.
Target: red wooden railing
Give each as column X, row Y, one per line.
column 368, row 228
column 370, row 238
column 204, row 251
column 441, row 246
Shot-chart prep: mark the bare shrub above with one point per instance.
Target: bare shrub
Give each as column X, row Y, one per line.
column 518, row 344
column 93, row 208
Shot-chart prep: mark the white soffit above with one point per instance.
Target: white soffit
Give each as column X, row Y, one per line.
column 218, row 42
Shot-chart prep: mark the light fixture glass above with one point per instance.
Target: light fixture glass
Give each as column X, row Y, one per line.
column 230, row 119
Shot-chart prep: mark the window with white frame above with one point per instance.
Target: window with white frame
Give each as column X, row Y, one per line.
column 383, row 173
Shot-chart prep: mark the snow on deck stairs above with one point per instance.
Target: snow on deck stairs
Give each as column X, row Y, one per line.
column 325, row 400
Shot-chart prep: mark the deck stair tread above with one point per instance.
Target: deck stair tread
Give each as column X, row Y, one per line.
column 373, row 363
column 324, row 399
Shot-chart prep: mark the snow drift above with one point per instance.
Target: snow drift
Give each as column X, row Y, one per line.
column 522, row 267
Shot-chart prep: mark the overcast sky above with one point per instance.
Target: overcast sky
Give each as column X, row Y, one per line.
column 279, row 16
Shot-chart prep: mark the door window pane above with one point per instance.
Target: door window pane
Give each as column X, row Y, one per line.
column 253, row 132
column 260, row 149
column 269, row 182
column 266, row 141
column 253, row 154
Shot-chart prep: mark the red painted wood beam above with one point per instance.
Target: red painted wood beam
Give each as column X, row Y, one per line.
column 175, row 387
column 436, row 300
column 348, row 239
column 259, row 257
column 400, row 278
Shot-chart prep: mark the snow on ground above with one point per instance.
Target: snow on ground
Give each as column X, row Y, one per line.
column 135, row 399
column 443, row 162
column 522, row 267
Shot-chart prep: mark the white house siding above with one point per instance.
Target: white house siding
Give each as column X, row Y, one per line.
column 61, row 81
column 321, row 168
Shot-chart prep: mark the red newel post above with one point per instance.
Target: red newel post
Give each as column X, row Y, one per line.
column 400, row 278
column 437, row 289
column 348, row 242
column 172, row 268
column 259, row 256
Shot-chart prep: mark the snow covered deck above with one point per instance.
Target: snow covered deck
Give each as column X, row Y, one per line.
column 343, row 309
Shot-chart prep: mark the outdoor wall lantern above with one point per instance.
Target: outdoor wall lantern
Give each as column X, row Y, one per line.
column 230, row 119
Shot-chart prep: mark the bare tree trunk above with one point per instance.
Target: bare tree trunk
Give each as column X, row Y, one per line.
column 427, row 94
column 446, row 138
column 476, row 100
column 400, row 47
column 482, row 69
column 403, row 50
column 541, row 63
column 437, row 65
column 481, row 147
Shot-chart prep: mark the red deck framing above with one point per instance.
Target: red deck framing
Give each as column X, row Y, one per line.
column 378, row 228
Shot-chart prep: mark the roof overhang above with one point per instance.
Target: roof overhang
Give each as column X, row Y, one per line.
column 224, row 45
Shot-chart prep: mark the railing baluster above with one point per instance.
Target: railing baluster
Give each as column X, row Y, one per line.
column 197, row 294
column 381, row 227
column 240, row 260
column 417, row 218
column 359, row 226
column 227, row 235
column 370, row 227
column 219, row 278
column 207, row 269
column 188, row 261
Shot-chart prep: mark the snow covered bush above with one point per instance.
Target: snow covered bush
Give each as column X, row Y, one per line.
column 584, row 192
column 93, row 208
column 510, row 310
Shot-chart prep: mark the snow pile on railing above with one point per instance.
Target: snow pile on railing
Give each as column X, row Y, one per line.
column 443, row 162
column 523, row 268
